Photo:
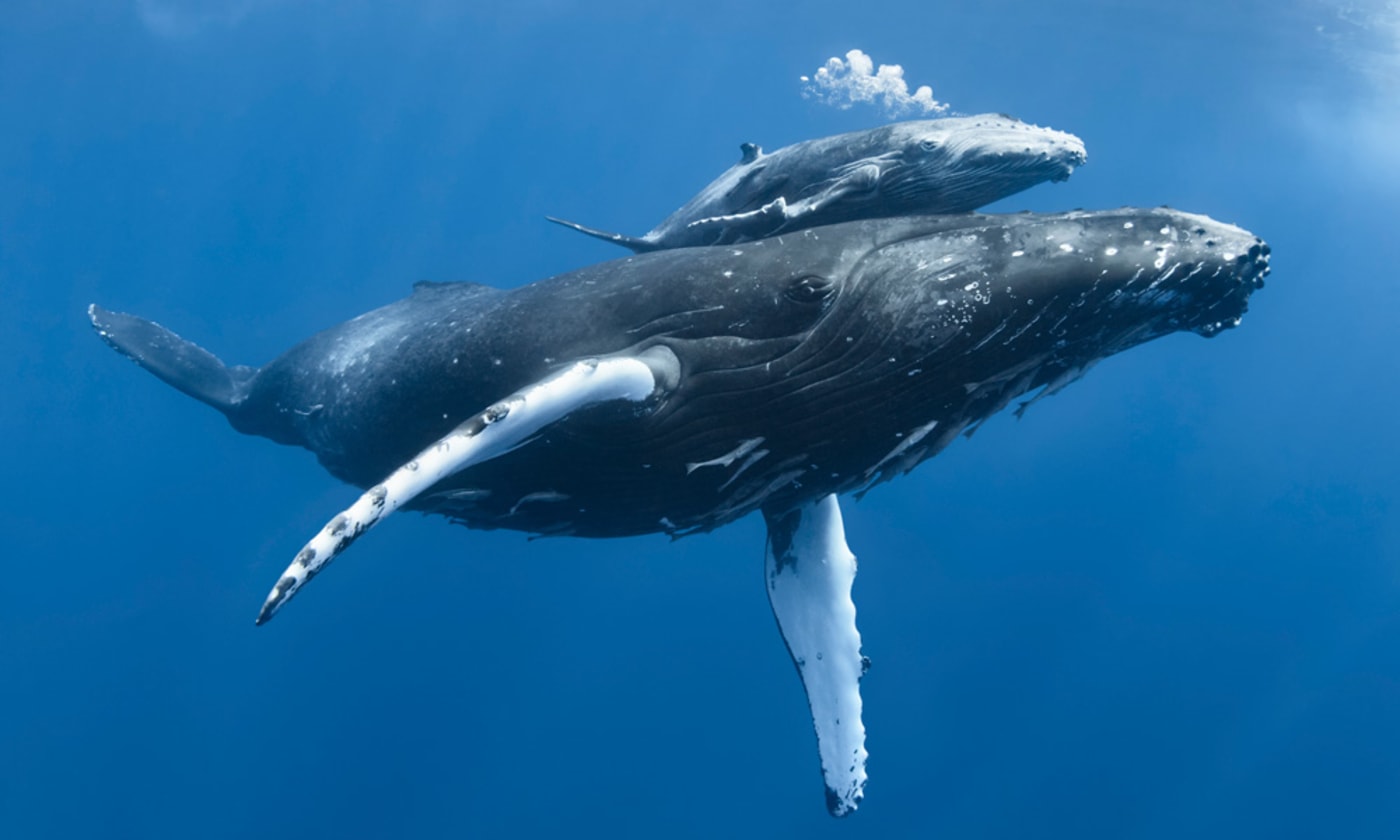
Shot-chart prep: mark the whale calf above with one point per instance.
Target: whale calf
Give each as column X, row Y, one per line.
column 948, row 165
column 772, row 376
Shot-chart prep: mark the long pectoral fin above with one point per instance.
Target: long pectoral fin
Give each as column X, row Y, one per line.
column 493, row 432
column 749, row 225
column 809, row 571
column 780, row 214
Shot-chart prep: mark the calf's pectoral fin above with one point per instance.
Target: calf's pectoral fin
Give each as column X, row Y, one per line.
column 493, row 432
column 750, row 224
column 777, row 215
column 809, row 571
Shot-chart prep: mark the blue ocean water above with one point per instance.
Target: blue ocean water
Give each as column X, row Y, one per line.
column 1163, row 604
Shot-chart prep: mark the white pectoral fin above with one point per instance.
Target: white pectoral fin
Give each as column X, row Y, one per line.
column 495, row 431
column 750, row 224
column 809, row 571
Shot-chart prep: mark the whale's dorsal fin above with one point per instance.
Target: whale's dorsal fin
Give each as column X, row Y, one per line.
column 809, row 571
column 498, row 429
column 749, row 152
column 175, row 361
column 637, row 244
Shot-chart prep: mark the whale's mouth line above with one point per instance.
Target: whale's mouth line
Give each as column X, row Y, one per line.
column 1245, row 273
column 1057, row 164
column 1068, row 165
column 1221, row 302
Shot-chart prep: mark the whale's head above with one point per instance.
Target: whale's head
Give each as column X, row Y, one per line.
column 941, row 322
column 958, row 164
column 1079, row 279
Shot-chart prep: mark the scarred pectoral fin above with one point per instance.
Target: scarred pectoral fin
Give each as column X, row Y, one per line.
column 809, row 571
column 491, row 433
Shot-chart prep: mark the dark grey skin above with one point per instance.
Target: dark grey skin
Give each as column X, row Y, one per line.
column 680, row 390
column 921, row 167
column 853, row 352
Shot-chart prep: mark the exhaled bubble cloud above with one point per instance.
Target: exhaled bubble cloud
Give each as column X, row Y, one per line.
column 856, row 79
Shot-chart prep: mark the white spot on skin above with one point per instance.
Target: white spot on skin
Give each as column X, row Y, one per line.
column 728, row 274
column 1110, row 251
column 1018, row 253
column 1066, row 247
column 1127, row 226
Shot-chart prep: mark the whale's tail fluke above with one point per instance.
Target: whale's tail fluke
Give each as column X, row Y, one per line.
column 177, row 362
column 637, row 244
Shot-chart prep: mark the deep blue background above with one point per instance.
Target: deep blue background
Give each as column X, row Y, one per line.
column 1163, row 605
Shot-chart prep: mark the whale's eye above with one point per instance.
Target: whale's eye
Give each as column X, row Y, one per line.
column 928, row 145
column 809, row 288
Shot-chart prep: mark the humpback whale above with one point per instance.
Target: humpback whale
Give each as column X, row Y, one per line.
column 773, row 376
column 948, row 165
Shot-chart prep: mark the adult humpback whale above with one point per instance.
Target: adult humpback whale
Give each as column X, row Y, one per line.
column 771, row 377
column 949, row 165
